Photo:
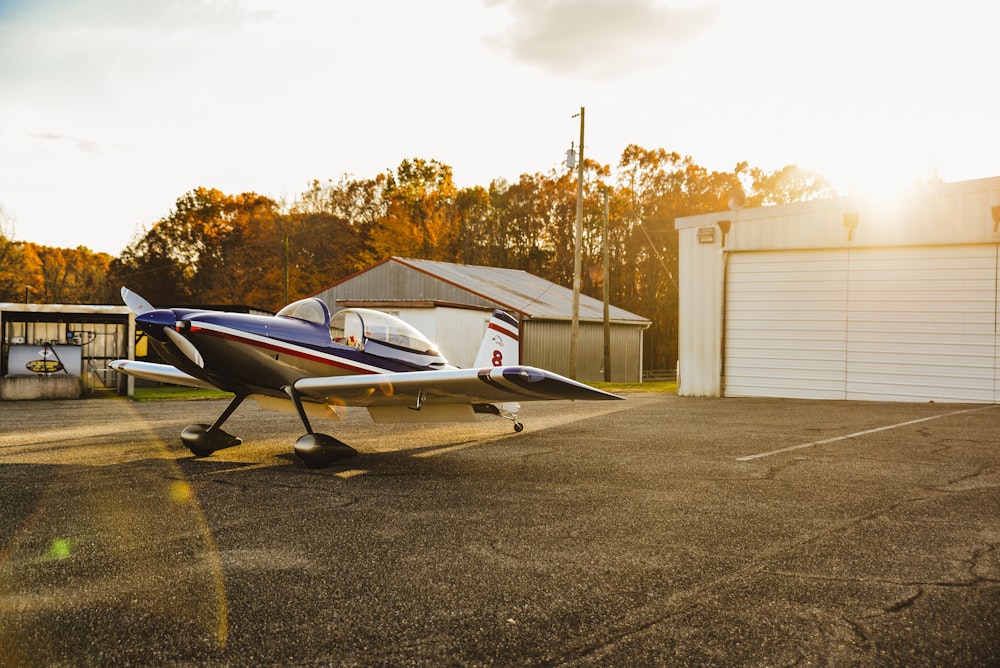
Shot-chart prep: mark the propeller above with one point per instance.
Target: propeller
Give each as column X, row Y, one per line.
column 149, row 316
column 186, row 347
column 135, row 303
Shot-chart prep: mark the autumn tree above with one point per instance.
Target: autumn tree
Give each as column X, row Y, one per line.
column 67, row 275
column 12, row 282
column 786, row 185
column 194, row 254
column 419, row 218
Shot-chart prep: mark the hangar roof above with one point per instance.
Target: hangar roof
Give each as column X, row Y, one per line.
column 513, row 289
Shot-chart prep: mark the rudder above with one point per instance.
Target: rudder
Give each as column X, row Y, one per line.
column 501, row 343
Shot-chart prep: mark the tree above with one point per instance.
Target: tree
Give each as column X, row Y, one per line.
column 12, row 282
column 419, row 219
column 68, row 275
column 202, row 251
column 786, row 185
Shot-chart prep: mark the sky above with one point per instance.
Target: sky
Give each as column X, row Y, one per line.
column 111, row 110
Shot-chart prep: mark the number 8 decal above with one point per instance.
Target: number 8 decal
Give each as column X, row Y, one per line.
column 497, row 358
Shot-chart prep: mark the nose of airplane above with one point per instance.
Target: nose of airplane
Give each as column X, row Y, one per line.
column 157, row 318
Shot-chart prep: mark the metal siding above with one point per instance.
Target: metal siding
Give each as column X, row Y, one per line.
column 921, row 324
column 545, row 344
column 699, row 329
column 899, row 324
column 786, row 324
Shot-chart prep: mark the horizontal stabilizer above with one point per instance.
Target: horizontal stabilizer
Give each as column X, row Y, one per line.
column 452, row 386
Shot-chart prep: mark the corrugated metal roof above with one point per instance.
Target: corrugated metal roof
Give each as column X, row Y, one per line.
column 520, row 291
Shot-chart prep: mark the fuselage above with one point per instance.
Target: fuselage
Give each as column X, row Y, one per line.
column 255, row 354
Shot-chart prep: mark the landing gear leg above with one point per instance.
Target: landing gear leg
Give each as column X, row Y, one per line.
column 316, row 450
column 500, row 411
column 202, row 439
column 512, row 416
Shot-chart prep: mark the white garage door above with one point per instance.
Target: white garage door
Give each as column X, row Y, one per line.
column 899, row 324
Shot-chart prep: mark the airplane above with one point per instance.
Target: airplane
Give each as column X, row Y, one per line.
column 304, row 360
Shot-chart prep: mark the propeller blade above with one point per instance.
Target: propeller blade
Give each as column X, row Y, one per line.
column 135, row 303
column 185, row 346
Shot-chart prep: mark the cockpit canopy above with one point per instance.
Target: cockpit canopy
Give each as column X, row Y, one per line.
column 310, row 309
column 358, row 326
column 364, row 328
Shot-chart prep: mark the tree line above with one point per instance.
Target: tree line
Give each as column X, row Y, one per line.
column 218, row 248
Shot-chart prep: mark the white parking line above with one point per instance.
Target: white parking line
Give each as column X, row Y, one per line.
column 791, row 448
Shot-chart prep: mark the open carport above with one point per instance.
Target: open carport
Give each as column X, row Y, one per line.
column 655, row 531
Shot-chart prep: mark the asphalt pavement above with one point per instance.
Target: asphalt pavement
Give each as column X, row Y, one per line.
column 653, row 531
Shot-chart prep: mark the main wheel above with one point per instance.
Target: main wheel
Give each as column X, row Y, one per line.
column 319, row 450
column 518, row 427
column 202, row 440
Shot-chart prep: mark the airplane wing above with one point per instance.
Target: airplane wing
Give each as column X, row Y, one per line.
column 161, row 373
column 452, row 386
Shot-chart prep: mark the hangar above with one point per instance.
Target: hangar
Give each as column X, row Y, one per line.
column 451, row 304
column 847, row 298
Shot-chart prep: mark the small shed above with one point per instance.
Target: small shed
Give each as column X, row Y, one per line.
column 451, row 304
column 858, row 298
column 59, row 351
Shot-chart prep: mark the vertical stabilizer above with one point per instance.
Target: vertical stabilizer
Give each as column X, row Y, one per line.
column 500, row 343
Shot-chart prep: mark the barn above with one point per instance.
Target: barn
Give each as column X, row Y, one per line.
column 451, row 304
column 849, row 298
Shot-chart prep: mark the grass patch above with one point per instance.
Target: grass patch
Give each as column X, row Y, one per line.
column 665, row 386
column 177, row 393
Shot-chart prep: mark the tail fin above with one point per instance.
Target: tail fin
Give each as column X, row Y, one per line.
column 501, row 343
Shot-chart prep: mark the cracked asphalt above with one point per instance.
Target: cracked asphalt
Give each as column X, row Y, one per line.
column 654, row 531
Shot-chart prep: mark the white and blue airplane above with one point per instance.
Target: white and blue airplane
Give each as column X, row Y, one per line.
column 305, row 361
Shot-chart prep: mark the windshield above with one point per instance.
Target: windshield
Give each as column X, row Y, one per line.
column 354, row 326
column 310, row 310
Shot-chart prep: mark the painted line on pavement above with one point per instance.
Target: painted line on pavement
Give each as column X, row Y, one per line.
column 801, row 446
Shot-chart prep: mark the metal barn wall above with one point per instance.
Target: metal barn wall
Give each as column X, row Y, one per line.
column 545, row 344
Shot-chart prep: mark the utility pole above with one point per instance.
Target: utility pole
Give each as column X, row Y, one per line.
column 607, row 291
column 286, row 264
column 574, row 338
